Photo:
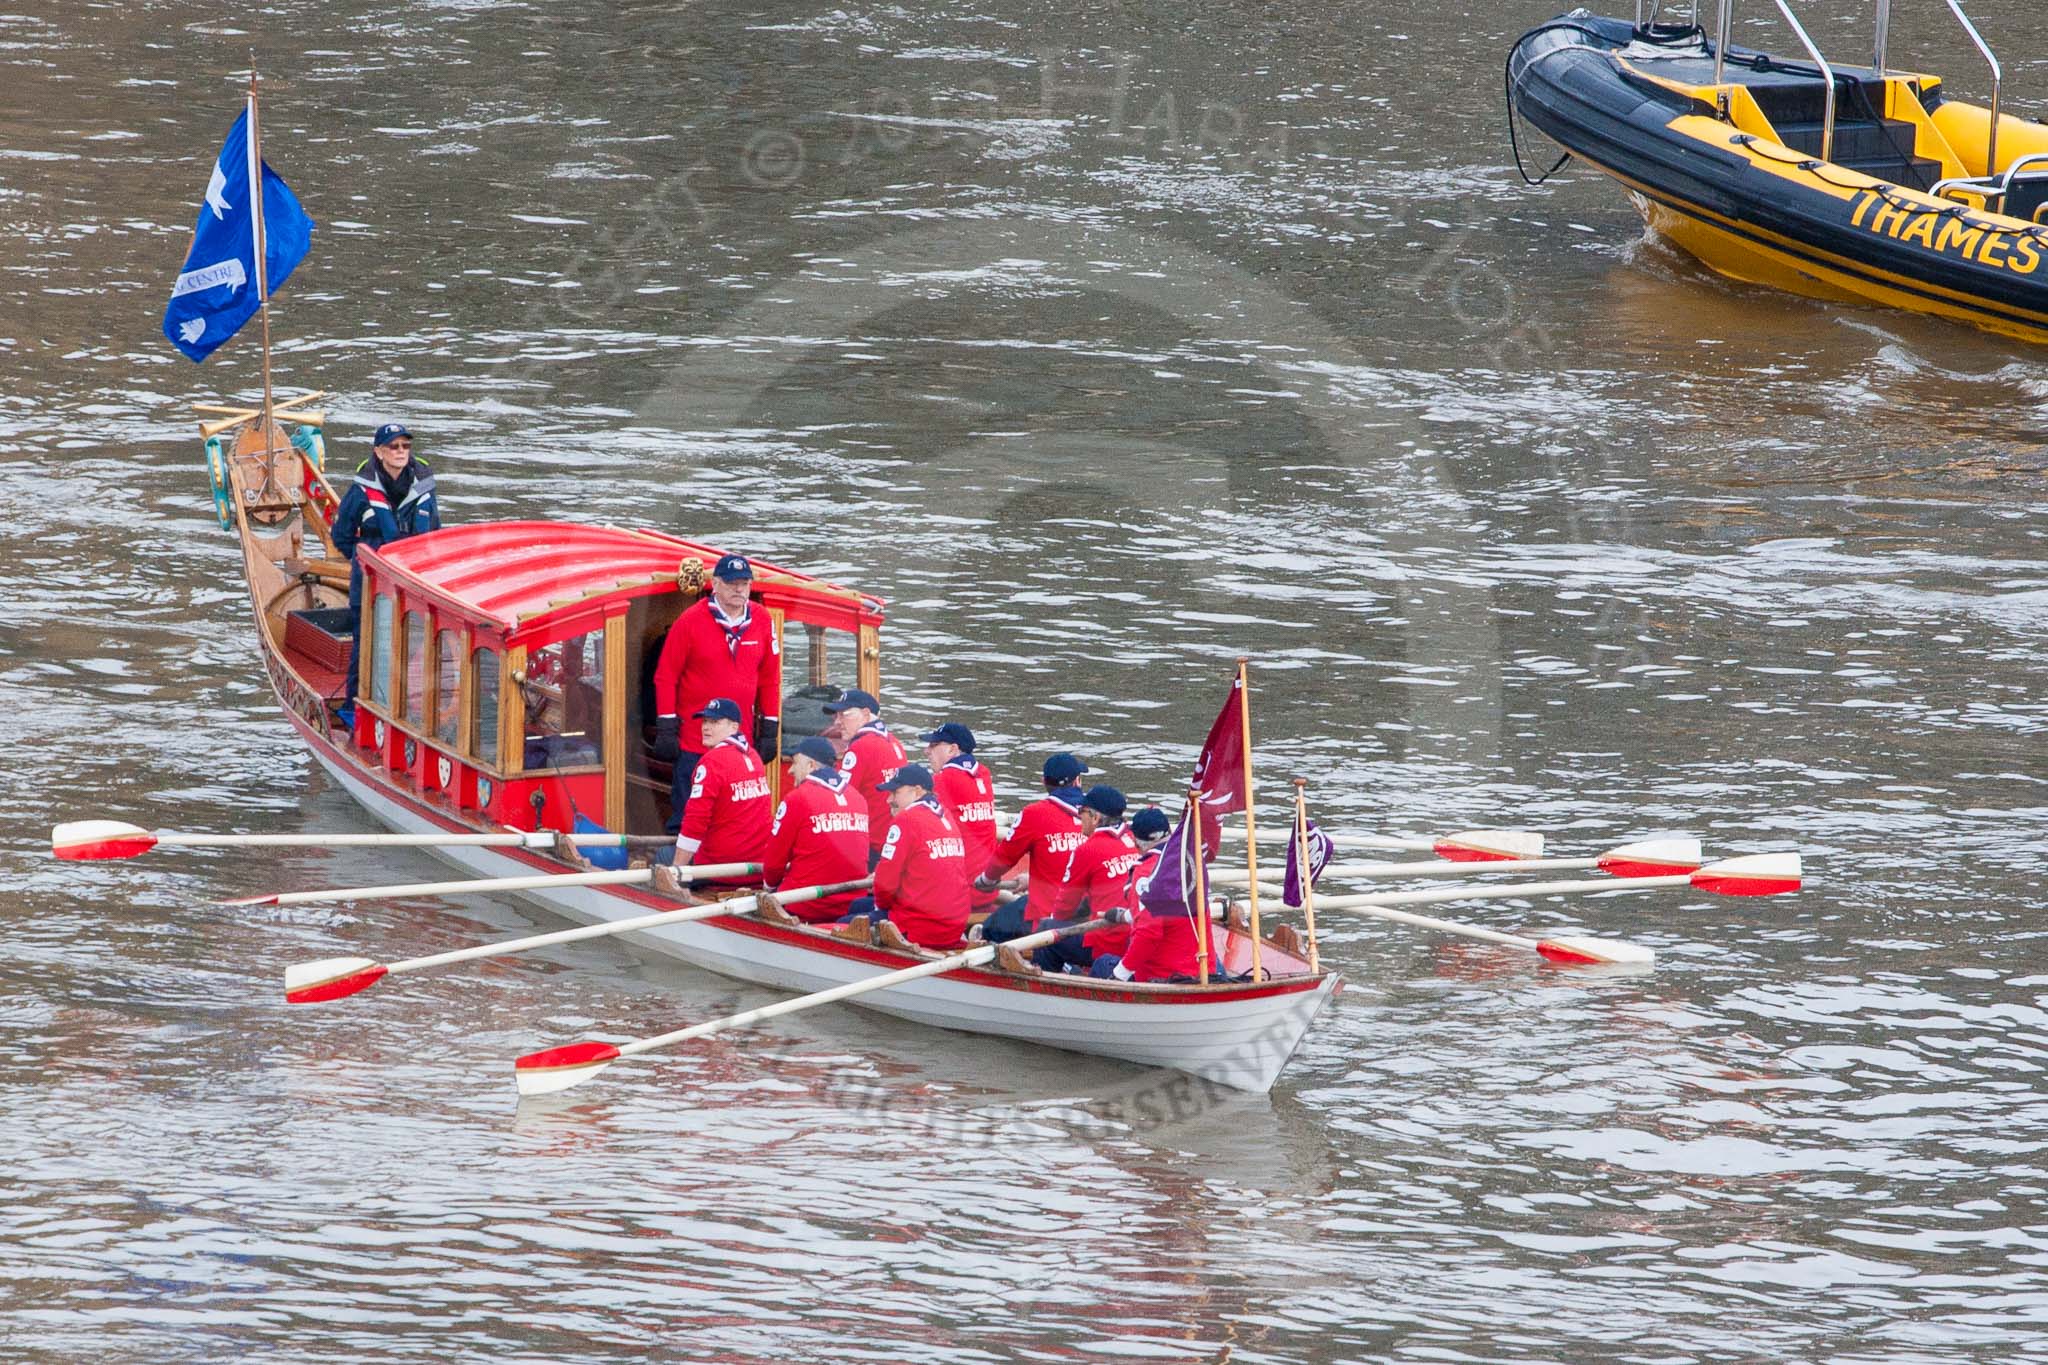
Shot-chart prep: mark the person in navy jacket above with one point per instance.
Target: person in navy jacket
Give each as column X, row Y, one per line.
column 391, row 498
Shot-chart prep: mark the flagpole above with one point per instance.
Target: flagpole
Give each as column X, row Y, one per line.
column 262, row 279
column 1305, row 869
column 1251, row 825
column 1202, row 939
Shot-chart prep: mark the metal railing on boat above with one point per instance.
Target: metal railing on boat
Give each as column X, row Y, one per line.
column 1827, row 74
column 1724, row 27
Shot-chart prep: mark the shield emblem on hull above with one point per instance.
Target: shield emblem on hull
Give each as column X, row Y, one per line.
column 483, row 791
column 412, row 752
column 444, row 769
column 378, row 734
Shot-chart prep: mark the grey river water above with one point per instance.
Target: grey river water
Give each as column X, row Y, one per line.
column 1107, row 343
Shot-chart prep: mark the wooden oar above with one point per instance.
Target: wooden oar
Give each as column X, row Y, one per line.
column 1760, row 874
column 473, row 886
column 309, row 983
column 92, row 840
column 1466, row 846
column 558, row 1068
column 1648, row 858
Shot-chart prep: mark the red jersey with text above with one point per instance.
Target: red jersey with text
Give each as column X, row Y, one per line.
column 964, row 788
column 1161, row 947
column 872, row 759
column 922, row 879
column 819, row 836
column 1048, row 831
column 725, row 819
column 706, row 656
column 1099, row 879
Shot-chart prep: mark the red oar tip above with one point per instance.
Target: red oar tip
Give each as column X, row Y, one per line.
column 1596, row 951
column 90, row 840
column 1652, row 858
column 1759, row 874
column 558, row 1068
column 1489, row 846
column 309, row 983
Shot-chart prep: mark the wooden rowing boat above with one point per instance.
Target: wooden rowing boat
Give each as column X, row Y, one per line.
column 503, row 686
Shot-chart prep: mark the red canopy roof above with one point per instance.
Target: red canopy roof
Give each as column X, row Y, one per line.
column 518, row 573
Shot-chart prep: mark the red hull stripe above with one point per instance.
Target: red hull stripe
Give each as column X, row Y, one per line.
column 568, row 1055
column 126, row 847
column 334, row 988
column 823, row 946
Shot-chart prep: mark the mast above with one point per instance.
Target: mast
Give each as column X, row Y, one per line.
column 262, row 282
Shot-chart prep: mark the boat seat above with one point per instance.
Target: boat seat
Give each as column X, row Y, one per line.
column 2019, row 191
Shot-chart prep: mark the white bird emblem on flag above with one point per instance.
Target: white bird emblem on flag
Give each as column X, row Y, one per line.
column 215, row 198
column 192, row 329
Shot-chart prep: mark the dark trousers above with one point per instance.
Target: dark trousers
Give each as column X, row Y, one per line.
column 679, row 788
column 1005, row 922
column 1067, row 954
column 864, row 908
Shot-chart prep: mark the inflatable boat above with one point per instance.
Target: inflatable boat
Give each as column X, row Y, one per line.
column 1848, row 183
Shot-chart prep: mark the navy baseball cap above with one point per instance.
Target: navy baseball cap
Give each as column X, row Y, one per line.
column 1106, row 799
column 909, row 775
column 819, row 749
column 733, row 569
column 718, row 708
column 850, row 698
column 1063, row 769
column 389, row 432
column 952, row 732
column 1150, row 823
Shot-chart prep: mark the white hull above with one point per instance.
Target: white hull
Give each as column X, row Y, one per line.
column 1241, row 1039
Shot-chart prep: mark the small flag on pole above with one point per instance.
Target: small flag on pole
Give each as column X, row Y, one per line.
column 1320, row 847
column 219, row 288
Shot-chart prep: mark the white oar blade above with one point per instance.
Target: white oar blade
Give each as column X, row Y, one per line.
column 1652, row 858
column 1759, row 874
column 1489, row 845
column 331, row 978
column 82, row 841
column 558, row 1068
column 1596, row 951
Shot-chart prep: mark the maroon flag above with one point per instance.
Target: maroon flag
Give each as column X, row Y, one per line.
column 1219, row 777
column 1219, row 772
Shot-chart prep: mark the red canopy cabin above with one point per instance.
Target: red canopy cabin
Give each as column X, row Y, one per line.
column 506, row 667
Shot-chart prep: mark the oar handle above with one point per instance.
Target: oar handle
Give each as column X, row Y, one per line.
column 478, row 885
column 738, row 906
column 973, row 957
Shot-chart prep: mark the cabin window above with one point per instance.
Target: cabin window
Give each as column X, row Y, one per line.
column 483, row 720
column 817, row 665
column 415, row 697
column 564, row 691
column 380, row 651
column 447, row 685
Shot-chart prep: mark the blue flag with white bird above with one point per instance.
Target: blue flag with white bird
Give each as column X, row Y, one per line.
column 218, row 291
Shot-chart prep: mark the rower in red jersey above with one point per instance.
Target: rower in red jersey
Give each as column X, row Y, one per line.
column 726, row 815
column 820, row 833
column 872, row 757
column 922, row 884
column 1097, row 884
column 1161, row 947
column 966, row 790
column 1047, row 833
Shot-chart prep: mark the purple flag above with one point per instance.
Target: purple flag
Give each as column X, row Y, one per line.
column 1171, row 887
column 1320, row 848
